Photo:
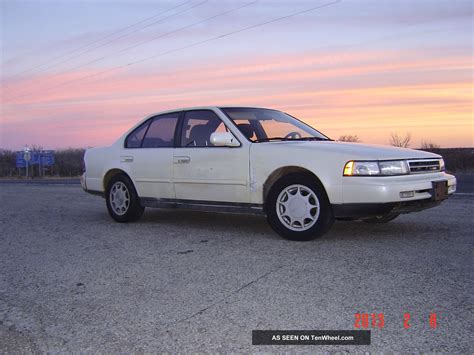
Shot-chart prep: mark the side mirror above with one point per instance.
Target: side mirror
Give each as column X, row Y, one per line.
column 224, row 139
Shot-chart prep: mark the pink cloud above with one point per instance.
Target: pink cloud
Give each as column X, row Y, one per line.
column 360, row 91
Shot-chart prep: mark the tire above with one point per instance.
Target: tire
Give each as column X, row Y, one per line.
column 306, row 216
column 381, row 219
column 122, row 200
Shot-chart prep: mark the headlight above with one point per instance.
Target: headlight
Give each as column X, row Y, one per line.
column 398, row 167
column 376, row 168
column 441, row 165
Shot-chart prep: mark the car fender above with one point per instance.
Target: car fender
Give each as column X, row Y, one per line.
column 267, row 158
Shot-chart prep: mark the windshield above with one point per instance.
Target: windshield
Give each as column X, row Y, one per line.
column 264, row 125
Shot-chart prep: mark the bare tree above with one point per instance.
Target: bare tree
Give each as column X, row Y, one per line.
column 429, row 145
column 36, row 148
column 349, row 138
column 7, row 163
column 399, row 141
column 68, row 162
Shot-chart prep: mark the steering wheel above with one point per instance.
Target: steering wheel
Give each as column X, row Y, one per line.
column 293, row 135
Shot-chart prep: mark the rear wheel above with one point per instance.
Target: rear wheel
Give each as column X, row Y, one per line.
column 298, row 209
column 122, row 200
column 381, row 219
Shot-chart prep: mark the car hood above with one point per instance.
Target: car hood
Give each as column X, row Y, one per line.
column 358, row 151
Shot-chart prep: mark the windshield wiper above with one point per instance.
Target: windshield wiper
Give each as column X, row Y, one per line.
column 271, row 139
column 311, row 139
column 290, row 139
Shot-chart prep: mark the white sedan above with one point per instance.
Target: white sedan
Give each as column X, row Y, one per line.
column 260, row 161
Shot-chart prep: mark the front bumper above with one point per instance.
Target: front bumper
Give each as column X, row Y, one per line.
column 375, row 196
column 382, row 190
column 362, row 210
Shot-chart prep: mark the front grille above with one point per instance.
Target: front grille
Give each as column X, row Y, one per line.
column 424, row 166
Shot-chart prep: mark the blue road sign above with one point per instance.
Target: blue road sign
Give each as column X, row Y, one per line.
column 47, row 160
column 35, row 157
column 46, row 157
column 20, row 160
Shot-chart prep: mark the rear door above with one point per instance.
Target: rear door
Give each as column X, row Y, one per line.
column 148, row 155
column 204, row 172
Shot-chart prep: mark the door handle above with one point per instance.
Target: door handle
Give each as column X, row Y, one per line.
column 181, row 160
column 124, row 159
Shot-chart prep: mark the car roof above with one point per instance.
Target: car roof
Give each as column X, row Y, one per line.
column 206, row 108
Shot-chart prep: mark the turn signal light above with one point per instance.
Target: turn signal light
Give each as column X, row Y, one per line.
column 348, row 168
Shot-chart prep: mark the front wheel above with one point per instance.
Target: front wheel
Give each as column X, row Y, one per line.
column 122, row 200
column 298, row 209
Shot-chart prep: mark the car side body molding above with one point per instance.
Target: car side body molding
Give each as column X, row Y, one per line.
column 207, row 206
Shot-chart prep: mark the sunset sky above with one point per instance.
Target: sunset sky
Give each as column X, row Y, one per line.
column 80, row 73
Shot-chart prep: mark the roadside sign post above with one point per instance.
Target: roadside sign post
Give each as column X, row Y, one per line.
column 40, row 167
column 27, row 157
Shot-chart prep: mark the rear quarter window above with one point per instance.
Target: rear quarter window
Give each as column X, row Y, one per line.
column 134, row 139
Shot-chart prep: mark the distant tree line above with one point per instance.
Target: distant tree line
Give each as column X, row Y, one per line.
column 8, row 163
column 67, row 162
column 456, row 159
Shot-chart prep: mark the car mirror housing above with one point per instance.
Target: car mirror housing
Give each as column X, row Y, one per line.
column 224, row 139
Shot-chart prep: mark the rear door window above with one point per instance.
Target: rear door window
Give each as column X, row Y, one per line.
column 161, row 131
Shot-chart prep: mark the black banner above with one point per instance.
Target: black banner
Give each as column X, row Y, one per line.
column 310, row 337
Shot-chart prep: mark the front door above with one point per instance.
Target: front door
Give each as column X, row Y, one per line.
column 205, row 172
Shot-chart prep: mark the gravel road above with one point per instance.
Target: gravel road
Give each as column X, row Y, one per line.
column 74, row 280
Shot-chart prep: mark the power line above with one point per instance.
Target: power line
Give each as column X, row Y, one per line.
column 194, row 44
column 162, row 35
column 149, row 40
column 120, row 37
column 106, row 56
column 232, row 33
column 97, row 41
